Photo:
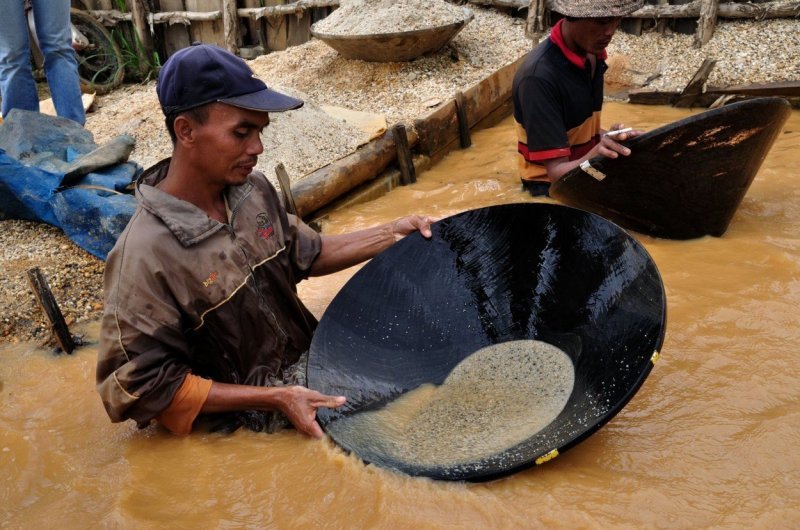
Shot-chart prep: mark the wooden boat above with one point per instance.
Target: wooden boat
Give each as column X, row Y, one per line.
column 683, row 180
column 489, row 276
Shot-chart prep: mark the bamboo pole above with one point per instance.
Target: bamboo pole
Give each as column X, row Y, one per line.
column 707, row 22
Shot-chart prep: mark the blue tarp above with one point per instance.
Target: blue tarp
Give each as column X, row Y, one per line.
column 92, row 209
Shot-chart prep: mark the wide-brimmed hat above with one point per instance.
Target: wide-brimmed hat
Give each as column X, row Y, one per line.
column 594, row 8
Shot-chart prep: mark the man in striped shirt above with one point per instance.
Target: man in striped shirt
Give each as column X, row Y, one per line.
column 558, row 94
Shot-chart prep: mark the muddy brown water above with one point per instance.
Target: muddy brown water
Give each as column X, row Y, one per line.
column 710, row 440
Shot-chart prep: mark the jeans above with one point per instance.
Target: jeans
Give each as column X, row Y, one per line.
column 17, row 86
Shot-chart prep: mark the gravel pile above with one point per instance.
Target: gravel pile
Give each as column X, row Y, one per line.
column 746, row 52
column 74, row 276
column 368, row 17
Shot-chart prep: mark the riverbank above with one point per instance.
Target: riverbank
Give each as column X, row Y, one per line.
column 752, row 51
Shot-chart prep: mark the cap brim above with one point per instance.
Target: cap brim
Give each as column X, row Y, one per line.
column 264, row 100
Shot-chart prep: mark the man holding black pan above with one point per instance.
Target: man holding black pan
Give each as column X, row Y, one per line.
column 202, row 319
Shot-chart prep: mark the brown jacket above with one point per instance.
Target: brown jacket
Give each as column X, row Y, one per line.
column 185, row 293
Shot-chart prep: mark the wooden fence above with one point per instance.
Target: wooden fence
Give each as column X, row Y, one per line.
column 251, row 27
column 169, row 25
column 657, row 12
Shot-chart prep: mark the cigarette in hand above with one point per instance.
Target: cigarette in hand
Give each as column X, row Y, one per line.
column 618, row 131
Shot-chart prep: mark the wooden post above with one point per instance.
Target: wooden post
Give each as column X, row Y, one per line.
column 175, row 35
column 707, row 22
column 230, row 26
column 277, row 34
column 695, row 87
column 298, row 28
column 258, row 34
column 408, row 175
column 142, row 27
column 286, row 188
column 535, row 22
column 206, row 32
column 50, row 308
column 661, row 25
column 463, row 122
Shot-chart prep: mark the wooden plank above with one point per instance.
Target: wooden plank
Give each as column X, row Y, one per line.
column 145, row 51
column 661, row 24
column 176, row 36
column 463, row 123
column 775, row 9
column 327, row 184
column 707, row 22
column 230, row 26
column 256, row 29
column 516, row 4
column 283, row 7
column 277, row 29
column 286, row 188
column 407, row 173
column 646, row 96
column 439, row 128
column 780, row 88
column 49, row 306
column 298, row 28
column 210, row 32
column 695, row 87
column 536, row 21
column 785, row 89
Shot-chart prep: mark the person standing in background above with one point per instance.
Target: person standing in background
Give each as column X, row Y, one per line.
column 17, row 87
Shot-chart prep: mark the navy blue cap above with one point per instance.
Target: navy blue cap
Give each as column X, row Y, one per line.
column 202, row 73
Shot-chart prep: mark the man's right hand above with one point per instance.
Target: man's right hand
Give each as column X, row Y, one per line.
column 609, row 145
column 300, row 405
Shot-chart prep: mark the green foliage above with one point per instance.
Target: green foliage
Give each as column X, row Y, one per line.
column 132, row 51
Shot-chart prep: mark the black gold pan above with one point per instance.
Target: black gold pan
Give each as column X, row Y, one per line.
column 685, row 179
column 487, row 278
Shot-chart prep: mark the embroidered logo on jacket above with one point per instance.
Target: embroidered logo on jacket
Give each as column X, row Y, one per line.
column 265, row 229
column 211, row 279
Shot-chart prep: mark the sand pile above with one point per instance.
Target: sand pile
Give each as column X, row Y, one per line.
column 367, row 17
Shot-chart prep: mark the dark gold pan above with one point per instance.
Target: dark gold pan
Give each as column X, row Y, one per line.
column 487, row 277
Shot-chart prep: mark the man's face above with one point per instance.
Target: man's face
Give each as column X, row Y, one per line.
column 227, row 145
column 593, row 35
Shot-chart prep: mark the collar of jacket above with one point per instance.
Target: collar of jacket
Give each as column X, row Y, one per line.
column 188, row 223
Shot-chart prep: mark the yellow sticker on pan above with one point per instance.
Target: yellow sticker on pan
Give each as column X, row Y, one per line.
column 545, row 458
